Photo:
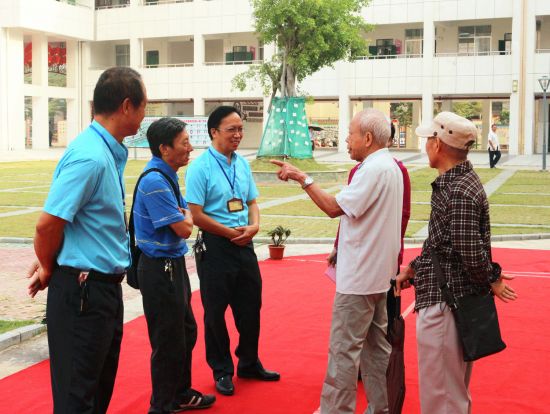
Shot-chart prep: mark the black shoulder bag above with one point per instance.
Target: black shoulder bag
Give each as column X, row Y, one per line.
column 131, row 273
column 475, row 317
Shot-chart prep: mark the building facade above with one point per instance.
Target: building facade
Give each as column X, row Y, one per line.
column 481, row 58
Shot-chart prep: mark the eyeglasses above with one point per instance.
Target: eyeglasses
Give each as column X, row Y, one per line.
column 232, row 130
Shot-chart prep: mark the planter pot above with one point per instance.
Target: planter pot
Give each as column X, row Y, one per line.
column 276, row 252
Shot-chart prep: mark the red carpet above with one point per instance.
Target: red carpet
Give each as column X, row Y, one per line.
column 294, row 340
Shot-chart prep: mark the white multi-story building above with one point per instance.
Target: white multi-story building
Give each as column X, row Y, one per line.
column 481, row 57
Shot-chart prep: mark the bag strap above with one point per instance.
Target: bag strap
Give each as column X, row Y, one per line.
column 175, row 189
column 446, row 292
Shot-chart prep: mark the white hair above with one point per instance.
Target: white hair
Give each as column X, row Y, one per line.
column 373, row 121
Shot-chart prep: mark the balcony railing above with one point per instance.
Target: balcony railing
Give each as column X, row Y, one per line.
column 111, row 4
column 80, row 3
column 169, row 65
column 542, row 51
column 236, row 62
column 156, row 2
column 400, row 56
column 490, row 53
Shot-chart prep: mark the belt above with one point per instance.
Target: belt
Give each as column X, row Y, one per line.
column 94, row 275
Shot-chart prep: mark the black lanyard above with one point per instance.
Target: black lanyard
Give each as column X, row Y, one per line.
column 114, row 160
column 231, row 184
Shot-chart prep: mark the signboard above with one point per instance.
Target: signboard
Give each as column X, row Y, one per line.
column 196, row 128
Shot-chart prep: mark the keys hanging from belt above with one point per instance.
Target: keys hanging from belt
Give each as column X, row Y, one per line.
column 168, row 268
column 199, row 247
column 84, row 293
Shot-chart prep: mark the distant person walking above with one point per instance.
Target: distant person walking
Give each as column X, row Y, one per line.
column 81, row 243
column 493, row 146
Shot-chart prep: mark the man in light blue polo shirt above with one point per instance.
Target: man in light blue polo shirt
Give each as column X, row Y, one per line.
column 81, row 243
column 162, row 222
column 222, row 195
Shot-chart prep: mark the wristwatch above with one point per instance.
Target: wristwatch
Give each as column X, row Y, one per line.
column 495, row 273
column 307, row 182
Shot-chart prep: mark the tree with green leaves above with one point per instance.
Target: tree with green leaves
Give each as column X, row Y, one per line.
column 403, row 113
column 468, row 109
column 308, row 35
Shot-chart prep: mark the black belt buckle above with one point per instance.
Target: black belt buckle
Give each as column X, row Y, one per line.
column 106, row 277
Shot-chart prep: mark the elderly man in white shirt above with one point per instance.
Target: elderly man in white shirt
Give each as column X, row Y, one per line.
column 370, row 228
column 493, row 146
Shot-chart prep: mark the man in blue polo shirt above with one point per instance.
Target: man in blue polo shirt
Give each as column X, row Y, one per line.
column 162, row 223
column 222, row 195
column 81, row 243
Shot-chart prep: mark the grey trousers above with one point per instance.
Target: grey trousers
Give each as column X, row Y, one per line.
column 443, row 376
column 357, row 320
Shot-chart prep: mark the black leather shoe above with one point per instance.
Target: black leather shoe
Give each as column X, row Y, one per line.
column 225, row 386
column 260, row 373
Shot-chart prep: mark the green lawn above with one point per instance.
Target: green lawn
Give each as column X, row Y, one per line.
column 304, row 165
column 300, row 227
column 6, row 326
column 531, row 182
column 534, row 186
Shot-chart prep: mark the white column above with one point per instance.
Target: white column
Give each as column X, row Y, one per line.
column 40, row 125
column 86, row 92
column 4, row 87
column 14, row 95
column 487, row 120
column 198, row 73
column 531, row 78
column 198, row 50
column 136, row 53
column 73, row 85
column 343, row 105
column 40, row 60
column 198, row 106
column 517, row 101
column 427, row 69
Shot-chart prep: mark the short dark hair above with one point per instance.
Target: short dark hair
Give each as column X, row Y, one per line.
column 218, row 114
column 114, row 86
column 163, row 131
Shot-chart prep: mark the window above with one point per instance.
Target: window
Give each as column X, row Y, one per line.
column 385, row 47
column 414, row 41
column 474, row 40
column 122, row 55
column 152, row 58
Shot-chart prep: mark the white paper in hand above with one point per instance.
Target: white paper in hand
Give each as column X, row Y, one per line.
column 331, row 273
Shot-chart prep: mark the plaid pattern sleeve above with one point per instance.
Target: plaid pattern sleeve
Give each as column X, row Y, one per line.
column 459, row 230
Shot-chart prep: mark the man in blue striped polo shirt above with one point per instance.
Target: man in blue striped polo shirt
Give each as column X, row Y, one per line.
column 222, row 195
column 162, row 223
column 81, row 243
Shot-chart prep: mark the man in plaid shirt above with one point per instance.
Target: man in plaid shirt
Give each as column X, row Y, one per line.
column 459, row 231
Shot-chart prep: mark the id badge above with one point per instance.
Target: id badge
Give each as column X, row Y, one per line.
column 234, row 205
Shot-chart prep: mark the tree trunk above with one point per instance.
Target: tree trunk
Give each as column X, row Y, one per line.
column 290, row 81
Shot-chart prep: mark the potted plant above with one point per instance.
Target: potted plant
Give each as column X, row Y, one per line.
column 278, row 235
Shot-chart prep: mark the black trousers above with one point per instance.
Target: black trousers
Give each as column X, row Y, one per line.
column 172, row 328
column 230, row 276
column 494, row 156
column 84, row 345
